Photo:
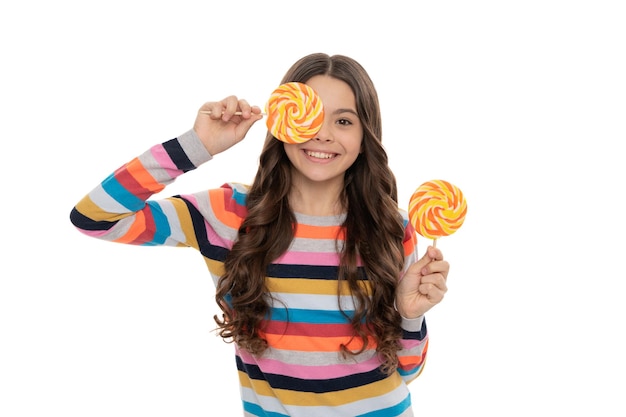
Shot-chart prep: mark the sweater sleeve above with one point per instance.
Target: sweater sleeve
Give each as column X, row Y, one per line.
column 119, row 209
column 414, row 340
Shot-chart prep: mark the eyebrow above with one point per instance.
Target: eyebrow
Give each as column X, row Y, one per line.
column 339, row 111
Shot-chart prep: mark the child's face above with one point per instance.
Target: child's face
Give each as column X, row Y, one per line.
column 338, row 143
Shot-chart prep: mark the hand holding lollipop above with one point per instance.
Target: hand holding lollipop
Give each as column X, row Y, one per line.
column 294, row 113
column 436, row 209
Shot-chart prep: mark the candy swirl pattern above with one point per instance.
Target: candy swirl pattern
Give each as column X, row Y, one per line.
column 294, row 113
column 437, row 208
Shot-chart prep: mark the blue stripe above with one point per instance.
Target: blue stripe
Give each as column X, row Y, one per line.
column 298, row 315
column 413, row 371
column 239, row 197
column 162, row 226
column 256, row 410
column 113, row 187
column 419, row 335
column 395, row 410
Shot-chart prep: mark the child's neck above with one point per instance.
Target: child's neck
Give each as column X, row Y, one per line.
column 318, row 200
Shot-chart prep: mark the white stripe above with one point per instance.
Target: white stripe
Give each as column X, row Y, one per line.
column 105, row 202
column 313, row 301
column 370, row 404
column 176, row 232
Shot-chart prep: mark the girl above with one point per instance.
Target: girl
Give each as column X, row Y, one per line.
column 315, row 266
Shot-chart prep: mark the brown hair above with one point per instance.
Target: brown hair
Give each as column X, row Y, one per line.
column 374, row 229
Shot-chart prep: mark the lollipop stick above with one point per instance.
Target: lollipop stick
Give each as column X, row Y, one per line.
column 434, row 243
column 237, row 113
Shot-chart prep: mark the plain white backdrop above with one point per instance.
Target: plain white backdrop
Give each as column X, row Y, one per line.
column 520, row 104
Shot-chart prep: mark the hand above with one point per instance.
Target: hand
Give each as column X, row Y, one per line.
column 423, row 285
column 222, row 128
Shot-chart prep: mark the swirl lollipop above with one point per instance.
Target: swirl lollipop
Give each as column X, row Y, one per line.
column 436, row 209
column 294, row 113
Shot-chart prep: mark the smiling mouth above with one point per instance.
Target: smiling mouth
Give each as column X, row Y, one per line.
column 320, row 155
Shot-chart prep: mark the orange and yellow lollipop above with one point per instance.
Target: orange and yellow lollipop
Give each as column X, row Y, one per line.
column 436, row 209
column 294, row 113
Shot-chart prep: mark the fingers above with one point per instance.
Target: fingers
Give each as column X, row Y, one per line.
column 415, row 299
column 228, row 108
column 432, row 262
column 441, row 267
column 433, row 286
column 423, row 285
column 235, row 107
column 222, row 124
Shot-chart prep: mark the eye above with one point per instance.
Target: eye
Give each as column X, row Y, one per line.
column 344, row 122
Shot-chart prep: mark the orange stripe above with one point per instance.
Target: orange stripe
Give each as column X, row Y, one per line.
column 314, row 344
column 142, row 176
column 317, row 232
column 415, row 360
column 137, row 228
column 229, row 218
column 410, row 361
column 410, row 244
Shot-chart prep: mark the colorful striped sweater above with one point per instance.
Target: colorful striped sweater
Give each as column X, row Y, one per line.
column 303, row 372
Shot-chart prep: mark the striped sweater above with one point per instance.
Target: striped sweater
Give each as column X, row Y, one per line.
column 303, row 372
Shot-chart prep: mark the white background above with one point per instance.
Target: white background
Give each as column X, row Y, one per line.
column 521, row 104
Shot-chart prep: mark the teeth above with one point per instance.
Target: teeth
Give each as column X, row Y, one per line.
column 321, row 155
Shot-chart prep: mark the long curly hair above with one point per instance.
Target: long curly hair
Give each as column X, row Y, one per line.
column 373, row 229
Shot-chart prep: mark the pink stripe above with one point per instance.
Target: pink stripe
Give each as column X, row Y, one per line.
column 308, row 258
column 164, row 160
column 218, row 240
column 411, row 343
column 274, row 366
column 191, row 198
column 311, row 258
column 94, row 233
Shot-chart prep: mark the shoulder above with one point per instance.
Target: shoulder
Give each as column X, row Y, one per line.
column 233, row 190
column 408, row 228
column 410, row 235
column 230, row 197
column 405, row 217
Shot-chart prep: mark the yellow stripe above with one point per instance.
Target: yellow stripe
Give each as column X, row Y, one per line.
column 215, row 267
column 311, row 286
column 87, row 207
column 332, row 399
column 184, row 218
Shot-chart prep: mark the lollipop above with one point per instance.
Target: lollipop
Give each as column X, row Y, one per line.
column 294, row 113
column 437, row 208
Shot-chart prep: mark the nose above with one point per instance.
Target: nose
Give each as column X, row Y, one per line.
column 324, row 134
